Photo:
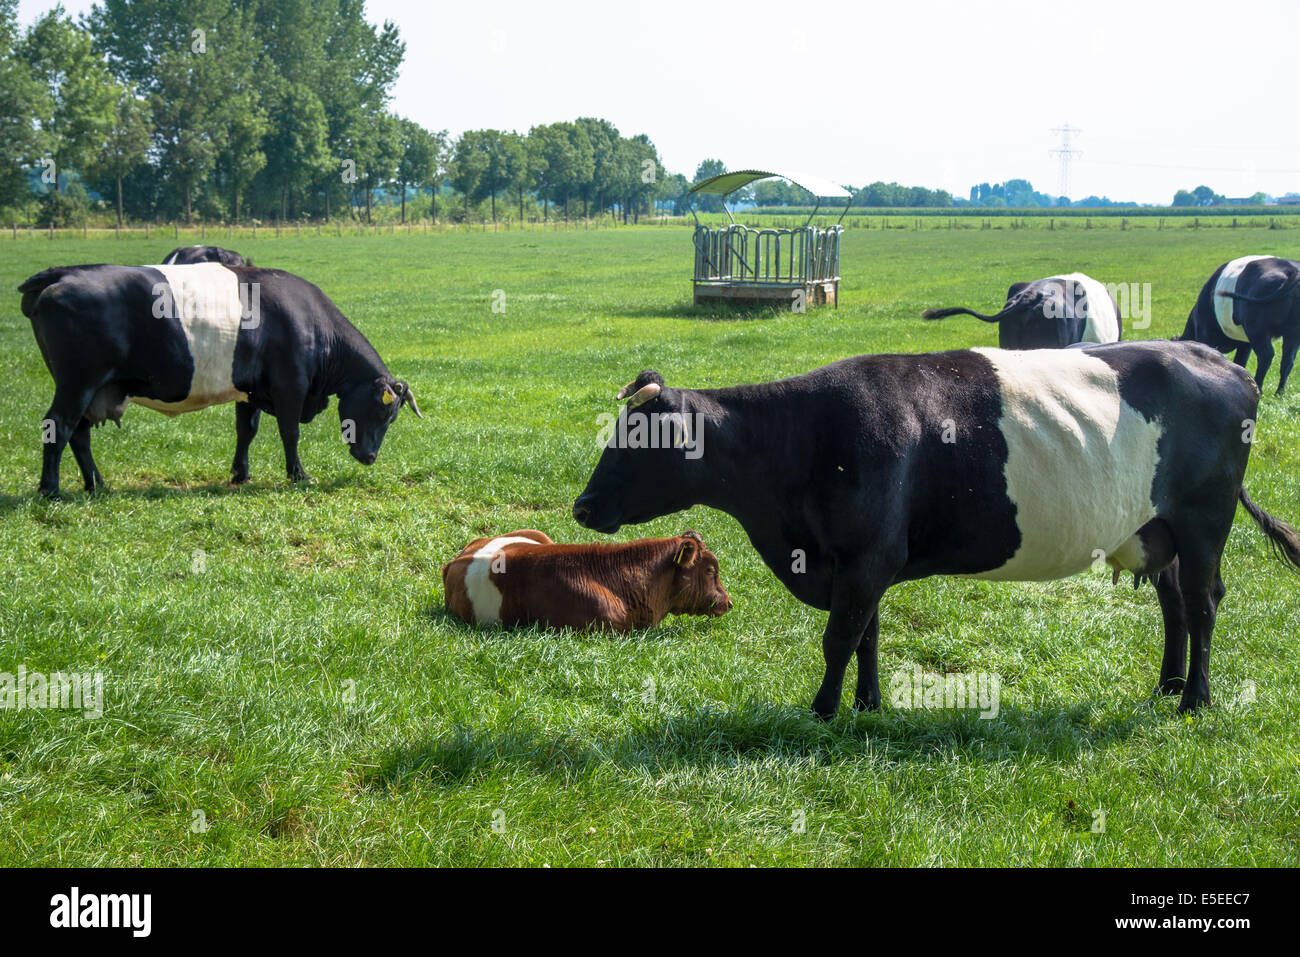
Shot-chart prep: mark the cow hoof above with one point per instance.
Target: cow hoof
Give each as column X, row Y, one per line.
column 240, row 478
column 50, row 494
column 822, row 715
column 303, row 478
column 860, row 705
column 1190, row 705
column 1169, row 686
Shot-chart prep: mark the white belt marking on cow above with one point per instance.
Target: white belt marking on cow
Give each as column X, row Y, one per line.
column 1223, row 305
column 1081, row 462
column 205, row 300
column 485, row 597
column 1100, row 322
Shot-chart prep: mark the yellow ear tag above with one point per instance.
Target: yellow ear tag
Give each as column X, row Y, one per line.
column 389, row 398
column 680, row 553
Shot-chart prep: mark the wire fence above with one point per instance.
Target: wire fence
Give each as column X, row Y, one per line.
column 186, row 234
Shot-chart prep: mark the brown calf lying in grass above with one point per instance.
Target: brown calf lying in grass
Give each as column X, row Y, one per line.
column 525, row 578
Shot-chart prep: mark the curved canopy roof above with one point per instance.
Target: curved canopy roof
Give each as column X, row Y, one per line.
column 725, row 183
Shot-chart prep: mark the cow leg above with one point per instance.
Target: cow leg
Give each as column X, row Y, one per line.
column 80, row 444
column 61, row 420
column 1173, row 666
column 867, row 696
column 247, row 418
column 1242, row 354
column 853, row 605
column 1290, row 346
column 287, row 419
column 1263, row 346
column 1202, row 590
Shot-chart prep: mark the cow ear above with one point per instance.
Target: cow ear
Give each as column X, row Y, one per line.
column 688, row 550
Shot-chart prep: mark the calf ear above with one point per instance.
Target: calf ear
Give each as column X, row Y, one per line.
column 688, row 550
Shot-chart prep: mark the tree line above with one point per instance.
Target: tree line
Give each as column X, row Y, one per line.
column 232, row 110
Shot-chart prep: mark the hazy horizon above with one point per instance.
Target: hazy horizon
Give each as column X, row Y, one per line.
column 944, row 96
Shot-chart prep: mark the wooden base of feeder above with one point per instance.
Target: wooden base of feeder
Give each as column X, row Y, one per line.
column 767, row 294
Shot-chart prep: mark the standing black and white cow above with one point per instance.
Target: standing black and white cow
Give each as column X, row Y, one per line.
column 1051, row 313
column 1247, row 303
column 181, row 338
column 984, row 463
column 189, row 255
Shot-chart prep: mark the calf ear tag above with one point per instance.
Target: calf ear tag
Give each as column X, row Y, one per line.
column 389, row 398
column 681, row 552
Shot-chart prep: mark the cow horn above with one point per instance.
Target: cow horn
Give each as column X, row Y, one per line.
column 641, row 396
column 408, row 397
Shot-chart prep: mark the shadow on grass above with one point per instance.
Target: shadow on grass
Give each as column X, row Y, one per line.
column 712, row 313
column 704, row 739
column 219, row 489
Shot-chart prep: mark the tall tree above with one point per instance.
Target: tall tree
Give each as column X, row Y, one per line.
column 598, row 188
column 420, row 161
column 468, row 163
column 126, row 141
column 20, row 102
column 80, row 95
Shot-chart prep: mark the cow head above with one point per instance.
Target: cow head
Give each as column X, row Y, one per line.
column 697, row 586
column 635, row 481
column 366, row 411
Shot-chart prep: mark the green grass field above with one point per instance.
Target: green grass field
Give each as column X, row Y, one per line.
column 283, row 685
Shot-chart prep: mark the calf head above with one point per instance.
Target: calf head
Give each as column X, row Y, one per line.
column 366, row 411
column 697, row 587
column 635, row 481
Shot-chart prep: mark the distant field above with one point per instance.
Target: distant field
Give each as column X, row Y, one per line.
column 284, row 687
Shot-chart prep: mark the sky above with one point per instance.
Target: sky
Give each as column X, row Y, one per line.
column 937, row 94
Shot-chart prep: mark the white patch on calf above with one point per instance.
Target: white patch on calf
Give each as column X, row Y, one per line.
column 1080, row 466
column 1101, row 324
column 1224, row 306
column 484, row 597
column 205, row 300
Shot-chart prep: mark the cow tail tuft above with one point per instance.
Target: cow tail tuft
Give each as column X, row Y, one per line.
column 1284, row 540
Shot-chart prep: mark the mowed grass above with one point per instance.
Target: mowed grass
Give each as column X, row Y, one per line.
column 283, row 685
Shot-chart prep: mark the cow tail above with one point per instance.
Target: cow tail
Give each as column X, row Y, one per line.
column 963, row 311
column 1277, row 294
column 1284, row 540
column 34, row 286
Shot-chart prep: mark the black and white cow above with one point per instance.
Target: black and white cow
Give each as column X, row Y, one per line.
column 189, row 255
column 986, row 463
column 1051, row 313
column 181, row 338
column 1247, row 303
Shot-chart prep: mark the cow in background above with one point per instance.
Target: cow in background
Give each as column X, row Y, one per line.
column 180, row 338
column 1246, row 304
column 189, row 255
column 1051, row 313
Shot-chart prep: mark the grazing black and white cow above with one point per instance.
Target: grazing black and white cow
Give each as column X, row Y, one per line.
column 181, row 338
column 1051, row 313
column 1247, row 303
column 986, row 463
column 189, row 255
